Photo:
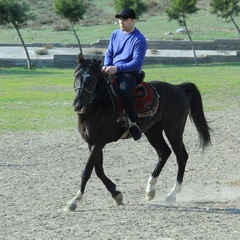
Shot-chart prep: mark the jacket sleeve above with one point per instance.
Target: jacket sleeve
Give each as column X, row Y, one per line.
column 108, row 60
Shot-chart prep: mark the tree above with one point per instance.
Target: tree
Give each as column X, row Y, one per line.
column 179, row 10
column 137, row 5
column 226, row 9
column 73, row 11
column 17, row 14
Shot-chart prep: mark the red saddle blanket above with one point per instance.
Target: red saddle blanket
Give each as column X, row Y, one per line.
column 147, row 101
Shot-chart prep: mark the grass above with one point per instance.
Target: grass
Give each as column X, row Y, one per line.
column 41, row 99
column 218, row 82
column 99, row 22
column 35, row 100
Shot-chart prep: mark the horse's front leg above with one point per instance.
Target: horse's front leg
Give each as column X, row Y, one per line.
column 72, row 204
column 96, row 152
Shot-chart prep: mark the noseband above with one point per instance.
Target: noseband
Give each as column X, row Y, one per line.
column 90, row 92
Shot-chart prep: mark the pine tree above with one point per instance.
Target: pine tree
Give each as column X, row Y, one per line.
column 226, row 9
column 137, row 5
column 73, row 11
column 180, row 10
column 17, row 14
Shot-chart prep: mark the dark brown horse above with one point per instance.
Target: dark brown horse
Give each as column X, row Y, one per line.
column 98, row 126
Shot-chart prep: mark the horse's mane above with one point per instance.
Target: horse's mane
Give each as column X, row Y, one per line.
column 91, row 63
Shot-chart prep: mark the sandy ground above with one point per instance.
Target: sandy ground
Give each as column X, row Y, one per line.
column 40, row 172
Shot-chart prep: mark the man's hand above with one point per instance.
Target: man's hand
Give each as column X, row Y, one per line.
column 110, row 70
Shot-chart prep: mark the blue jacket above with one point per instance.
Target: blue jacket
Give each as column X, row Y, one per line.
column 126, row 51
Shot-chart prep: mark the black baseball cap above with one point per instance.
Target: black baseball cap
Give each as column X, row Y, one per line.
column 126, row 13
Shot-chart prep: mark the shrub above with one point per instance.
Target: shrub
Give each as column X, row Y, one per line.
column 62, row 27
column 42, row 51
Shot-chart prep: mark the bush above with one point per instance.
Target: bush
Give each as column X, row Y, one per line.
column 42, row 51
column 96, row 52
column 62, row 27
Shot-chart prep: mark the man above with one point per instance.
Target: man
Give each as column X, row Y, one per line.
column 124, row 57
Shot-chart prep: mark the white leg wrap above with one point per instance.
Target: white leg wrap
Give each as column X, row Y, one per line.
column 151, row 183
column 150, row 190
column 72, row 204
column 78, row 196
column 171, row 197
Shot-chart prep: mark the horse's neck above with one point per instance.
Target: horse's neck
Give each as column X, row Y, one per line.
column 103, row 99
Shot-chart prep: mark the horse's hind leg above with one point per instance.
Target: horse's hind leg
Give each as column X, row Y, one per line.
column 178, row 148
column 111, row 187
column 155, row 138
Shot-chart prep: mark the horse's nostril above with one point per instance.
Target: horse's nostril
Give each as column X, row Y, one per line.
column 80, row 109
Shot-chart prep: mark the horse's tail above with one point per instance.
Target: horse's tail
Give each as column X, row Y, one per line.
column 197, row 114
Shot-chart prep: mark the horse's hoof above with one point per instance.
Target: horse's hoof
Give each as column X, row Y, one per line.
column 118, row 199
column 70, row 207
column 150, row 195
column 170, row 199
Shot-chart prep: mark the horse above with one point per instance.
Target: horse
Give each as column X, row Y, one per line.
column 98, row 126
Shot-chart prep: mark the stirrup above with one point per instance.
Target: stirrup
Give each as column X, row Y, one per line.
column 135, row 131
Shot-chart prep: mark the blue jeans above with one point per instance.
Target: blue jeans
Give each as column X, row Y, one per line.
column 127, row 83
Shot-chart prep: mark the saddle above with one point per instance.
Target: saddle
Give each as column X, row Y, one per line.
column 146, row 96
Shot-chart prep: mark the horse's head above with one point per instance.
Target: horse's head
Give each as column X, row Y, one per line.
column 87, row 77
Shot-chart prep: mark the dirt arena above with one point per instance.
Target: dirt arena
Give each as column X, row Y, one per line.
column 40, row 172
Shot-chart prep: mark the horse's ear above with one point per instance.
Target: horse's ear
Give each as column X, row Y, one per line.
column 80, row 58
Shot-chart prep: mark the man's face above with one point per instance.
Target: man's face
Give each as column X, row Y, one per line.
column 126, row 25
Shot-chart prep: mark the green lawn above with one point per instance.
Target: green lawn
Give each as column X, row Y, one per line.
column 153, row 27
column 219, row 83
column 42, row 99
column 36, row 100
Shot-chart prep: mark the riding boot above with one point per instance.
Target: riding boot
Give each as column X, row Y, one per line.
column 134, row 130
column 127, row 83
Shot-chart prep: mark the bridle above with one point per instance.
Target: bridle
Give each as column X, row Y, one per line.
column 90, row 92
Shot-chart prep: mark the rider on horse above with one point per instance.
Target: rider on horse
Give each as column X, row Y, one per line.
column 124, row 57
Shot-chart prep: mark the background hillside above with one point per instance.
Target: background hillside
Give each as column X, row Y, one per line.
column 99, row 22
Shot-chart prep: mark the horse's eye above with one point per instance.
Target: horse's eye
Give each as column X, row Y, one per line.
column 86, row 76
